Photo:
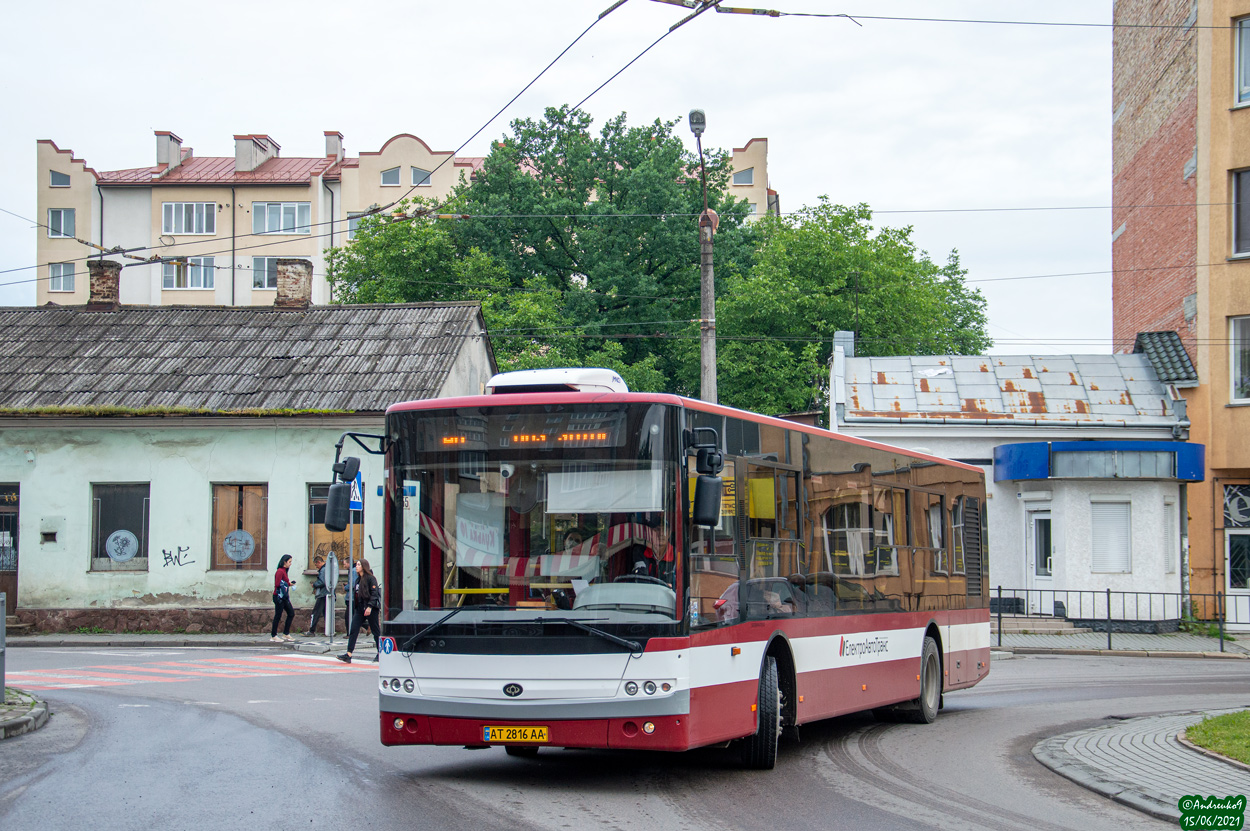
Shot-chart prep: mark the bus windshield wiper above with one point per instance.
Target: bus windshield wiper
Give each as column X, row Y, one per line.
column 632, row 646
column 411, row 642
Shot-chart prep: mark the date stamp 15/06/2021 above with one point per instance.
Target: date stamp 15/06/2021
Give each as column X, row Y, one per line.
column 1210, row 812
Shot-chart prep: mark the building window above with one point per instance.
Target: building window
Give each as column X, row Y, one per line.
column 57, row 179
column 390, row 177
column 324, row 542
column 62, row 277
column 60, row 222
column 119, row 527
column 1111, row 538
column 189, row 273
column 420, row 178
column 744, row 177
column 1239, row 343
column 1243, row 61
column 189, row 218
column 264, row 272
column 281, row 217
column 240, row 526
column 353, row 222
column 1241, row 212
column 1171, row 539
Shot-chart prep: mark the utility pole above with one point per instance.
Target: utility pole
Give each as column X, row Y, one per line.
column 707, row 296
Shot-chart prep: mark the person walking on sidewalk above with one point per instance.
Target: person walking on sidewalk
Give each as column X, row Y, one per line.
column 321, row 591
column 368, row 607
column 282, row 601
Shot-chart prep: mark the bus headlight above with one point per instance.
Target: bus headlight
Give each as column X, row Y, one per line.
column 395, row 684
column 631, row 687
column 649, row 688
column 408, row 685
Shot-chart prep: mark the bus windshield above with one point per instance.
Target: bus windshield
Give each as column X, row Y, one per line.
column 553, row 510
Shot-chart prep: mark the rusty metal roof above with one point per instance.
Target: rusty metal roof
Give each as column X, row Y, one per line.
column 346, row 358
column 1033, row 389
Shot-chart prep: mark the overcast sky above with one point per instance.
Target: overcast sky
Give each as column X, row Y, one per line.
column 952, row 128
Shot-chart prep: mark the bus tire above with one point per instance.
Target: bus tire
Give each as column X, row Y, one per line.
column 525, row 751
column 924, row 709
column 759, row 751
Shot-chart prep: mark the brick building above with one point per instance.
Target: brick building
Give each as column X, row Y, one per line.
column 1181, row 242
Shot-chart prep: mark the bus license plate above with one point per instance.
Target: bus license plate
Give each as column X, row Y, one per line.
column 514, row 734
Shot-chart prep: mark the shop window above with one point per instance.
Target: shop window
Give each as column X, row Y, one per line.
column 240, row 526
column 119, row 527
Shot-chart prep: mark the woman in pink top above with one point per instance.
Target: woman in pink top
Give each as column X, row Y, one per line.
column 282, row 601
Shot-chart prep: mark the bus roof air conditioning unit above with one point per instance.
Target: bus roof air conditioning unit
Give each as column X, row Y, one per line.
column 556, row 380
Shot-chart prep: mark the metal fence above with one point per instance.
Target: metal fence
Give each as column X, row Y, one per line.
column 1125, row 612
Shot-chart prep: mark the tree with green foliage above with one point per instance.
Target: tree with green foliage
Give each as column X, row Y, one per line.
column 583, row 249
column 582, row 246
column 825, row 269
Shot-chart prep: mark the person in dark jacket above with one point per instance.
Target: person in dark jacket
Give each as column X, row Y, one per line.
column 321, row 591
column 282, row 601
column 367, row 608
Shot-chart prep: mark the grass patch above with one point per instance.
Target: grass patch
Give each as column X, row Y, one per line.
column 1228, row 735
column 90, row 630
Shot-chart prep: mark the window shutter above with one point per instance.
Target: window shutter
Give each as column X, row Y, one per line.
column 1110, row 537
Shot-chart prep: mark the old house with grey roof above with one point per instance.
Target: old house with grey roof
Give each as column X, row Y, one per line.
column 1086, row 457
column 156, row 462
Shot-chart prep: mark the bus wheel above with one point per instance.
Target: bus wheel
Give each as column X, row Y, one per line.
column 924, row 709
column 524, row 750
column 760, row 750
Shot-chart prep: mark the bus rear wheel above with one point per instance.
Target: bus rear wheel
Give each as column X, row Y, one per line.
column 759, row 751
column 924, row 709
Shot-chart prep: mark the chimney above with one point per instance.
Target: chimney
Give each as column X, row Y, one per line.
column 105, row 277
column 334, row 145
column 294, row 284
column 168, row 149
column 250, row 152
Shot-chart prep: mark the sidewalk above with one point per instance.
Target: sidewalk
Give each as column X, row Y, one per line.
column 1177, row 645
column 20, row 713
column 1141, row 763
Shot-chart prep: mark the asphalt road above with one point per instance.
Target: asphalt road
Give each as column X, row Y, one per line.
column 236, row 738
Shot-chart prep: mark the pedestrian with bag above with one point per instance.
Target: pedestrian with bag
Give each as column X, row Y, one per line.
column 320, row 591
column 282, row 601
column 368, row 606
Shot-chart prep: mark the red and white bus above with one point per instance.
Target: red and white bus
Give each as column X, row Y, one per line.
column 570, row 564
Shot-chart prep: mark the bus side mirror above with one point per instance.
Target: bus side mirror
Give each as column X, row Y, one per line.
column 337, row 513
column 707, row 495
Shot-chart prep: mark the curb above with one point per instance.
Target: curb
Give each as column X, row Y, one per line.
column 1211, row 754
column 1050, row 753
column 34, row 718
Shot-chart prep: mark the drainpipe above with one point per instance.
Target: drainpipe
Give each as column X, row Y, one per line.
column 234, row 274
column 332, row 215
column 1183, row 512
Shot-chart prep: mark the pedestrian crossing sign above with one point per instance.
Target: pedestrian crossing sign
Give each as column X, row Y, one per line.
column 357, row 502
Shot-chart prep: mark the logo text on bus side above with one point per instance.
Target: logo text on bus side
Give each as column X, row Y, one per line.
column 875, row 645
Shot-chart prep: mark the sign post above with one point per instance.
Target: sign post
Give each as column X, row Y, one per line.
column 332, row 584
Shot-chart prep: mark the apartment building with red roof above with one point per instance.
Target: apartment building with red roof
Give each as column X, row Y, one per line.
column 217, row 224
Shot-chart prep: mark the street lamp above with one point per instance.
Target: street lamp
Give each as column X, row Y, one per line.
column 707, row 296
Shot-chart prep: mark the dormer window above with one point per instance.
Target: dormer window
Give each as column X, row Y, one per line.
column 390, row 177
